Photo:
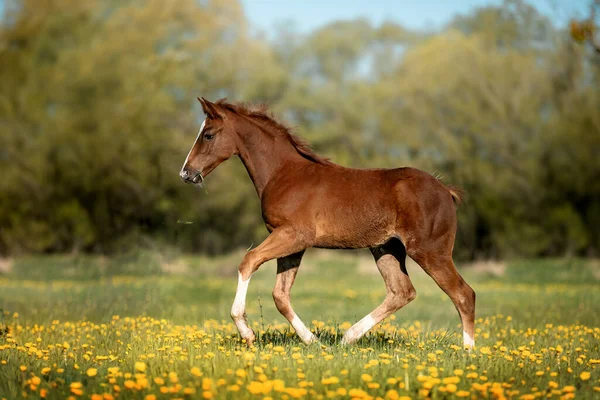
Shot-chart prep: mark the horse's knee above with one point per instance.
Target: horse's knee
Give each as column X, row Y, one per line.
column 282, row 301
column 248, row 266
column 410, row 295
column 467, row 298
column 400, row 299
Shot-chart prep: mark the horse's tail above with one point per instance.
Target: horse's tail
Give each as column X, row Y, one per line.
column 456, row 193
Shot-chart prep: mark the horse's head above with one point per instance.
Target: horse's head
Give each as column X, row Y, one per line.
column 215, row 143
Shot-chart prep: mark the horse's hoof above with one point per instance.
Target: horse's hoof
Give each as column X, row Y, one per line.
column 250, row 339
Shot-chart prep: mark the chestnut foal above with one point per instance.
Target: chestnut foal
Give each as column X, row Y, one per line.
column 308, row 201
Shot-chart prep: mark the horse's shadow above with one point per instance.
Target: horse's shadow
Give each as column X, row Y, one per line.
column 327, row 339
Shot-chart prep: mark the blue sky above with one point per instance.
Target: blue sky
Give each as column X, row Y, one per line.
column 417, row 14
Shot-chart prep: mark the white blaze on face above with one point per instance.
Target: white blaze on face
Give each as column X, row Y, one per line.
column 197, row 137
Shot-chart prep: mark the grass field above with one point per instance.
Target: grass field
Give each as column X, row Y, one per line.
column 145, row 327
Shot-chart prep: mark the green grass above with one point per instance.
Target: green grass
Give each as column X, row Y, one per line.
column 538, row 330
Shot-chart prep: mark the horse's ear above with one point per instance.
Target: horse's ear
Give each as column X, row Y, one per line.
column 211, row 109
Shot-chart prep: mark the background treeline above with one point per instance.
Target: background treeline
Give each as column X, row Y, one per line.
column 98, row 111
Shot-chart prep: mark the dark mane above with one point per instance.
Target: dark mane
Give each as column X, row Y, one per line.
column 261, row 112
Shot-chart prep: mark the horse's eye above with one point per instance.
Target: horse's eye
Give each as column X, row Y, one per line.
column 209, row 136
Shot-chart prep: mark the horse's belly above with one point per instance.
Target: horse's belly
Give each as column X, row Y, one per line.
column 352, row 229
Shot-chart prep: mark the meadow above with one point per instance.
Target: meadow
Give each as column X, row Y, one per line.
column 142, row 326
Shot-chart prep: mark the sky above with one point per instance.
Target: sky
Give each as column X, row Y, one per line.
column 416, row 14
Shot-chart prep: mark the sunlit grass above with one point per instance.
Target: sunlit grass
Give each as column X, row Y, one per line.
column 162, row 336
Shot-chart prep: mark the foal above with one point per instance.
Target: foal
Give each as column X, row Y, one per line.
column 308, row 201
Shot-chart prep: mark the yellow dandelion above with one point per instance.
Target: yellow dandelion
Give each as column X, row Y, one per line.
column 91, row 372
column 241, row 373
column 584, row 376
column 330, row 381
column 140, row 366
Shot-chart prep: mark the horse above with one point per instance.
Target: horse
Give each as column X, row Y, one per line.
column 308, row 201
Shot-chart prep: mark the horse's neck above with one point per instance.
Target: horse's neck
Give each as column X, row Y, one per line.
column 264, row 153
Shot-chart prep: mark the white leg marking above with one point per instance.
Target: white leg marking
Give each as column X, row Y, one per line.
column 358, row 329
column 302, row 331
column 197, row 137
column 468, row 340
column 239, row 308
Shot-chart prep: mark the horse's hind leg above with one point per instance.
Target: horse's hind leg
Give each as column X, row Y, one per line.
column 391, row 262
column 287, row 268
column 443, row 272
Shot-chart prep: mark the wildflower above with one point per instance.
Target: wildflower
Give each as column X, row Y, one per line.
column 366, row 377
column 140, row 366
column 241, row 373
column 330, row 381
column 357, row 393
column 450, row 379
column 91, row 372
column 451, row 388
column 196, row 371
column 76, row 388
column 584, row 376
column 296, row 392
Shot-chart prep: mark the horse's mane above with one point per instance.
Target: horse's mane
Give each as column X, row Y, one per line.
column 261, row 112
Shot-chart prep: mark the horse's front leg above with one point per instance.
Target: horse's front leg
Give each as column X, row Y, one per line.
column 281, row 242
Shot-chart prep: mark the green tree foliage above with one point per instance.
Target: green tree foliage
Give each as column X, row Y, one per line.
column 97, row 113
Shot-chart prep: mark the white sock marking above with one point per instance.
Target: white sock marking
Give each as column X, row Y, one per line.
column 468, row 340
column 239, row 307
column 359, row 329
column 302, row 331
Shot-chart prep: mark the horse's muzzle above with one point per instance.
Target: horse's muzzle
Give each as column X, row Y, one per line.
column 193, row 177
